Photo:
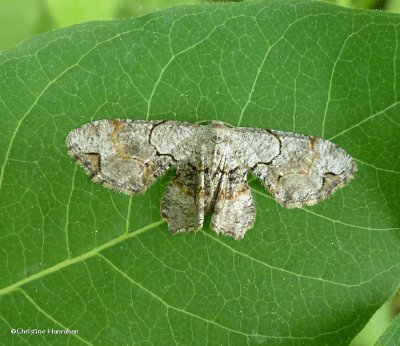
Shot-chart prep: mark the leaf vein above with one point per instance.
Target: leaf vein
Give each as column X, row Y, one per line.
column 77, row 259
column 43, row 312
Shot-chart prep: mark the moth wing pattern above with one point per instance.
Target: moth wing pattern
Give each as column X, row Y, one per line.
column 212, row 167
column 183, row 202
column 234, row 210
column 128, row 155
column 298, row 170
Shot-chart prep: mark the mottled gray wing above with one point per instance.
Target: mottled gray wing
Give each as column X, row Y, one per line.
column 298, row 170
column 234, row 211
column 128, row 155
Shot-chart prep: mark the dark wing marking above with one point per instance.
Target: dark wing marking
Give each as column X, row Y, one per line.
column 128, row 155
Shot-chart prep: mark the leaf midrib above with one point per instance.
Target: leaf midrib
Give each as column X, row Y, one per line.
column 80, row 258
column 128, row 235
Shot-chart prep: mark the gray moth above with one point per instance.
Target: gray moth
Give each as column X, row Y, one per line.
column 212, row 163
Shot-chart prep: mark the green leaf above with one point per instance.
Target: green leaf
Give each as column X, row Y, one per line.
column 391, row 336
column 76, row 255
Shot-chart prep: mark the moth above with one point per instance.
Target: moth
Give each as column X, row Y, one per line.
column 212, row 163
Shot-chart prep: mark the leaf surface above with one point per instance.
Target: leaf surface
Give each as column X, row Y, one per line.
column 75, row 255
column 391, row 335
